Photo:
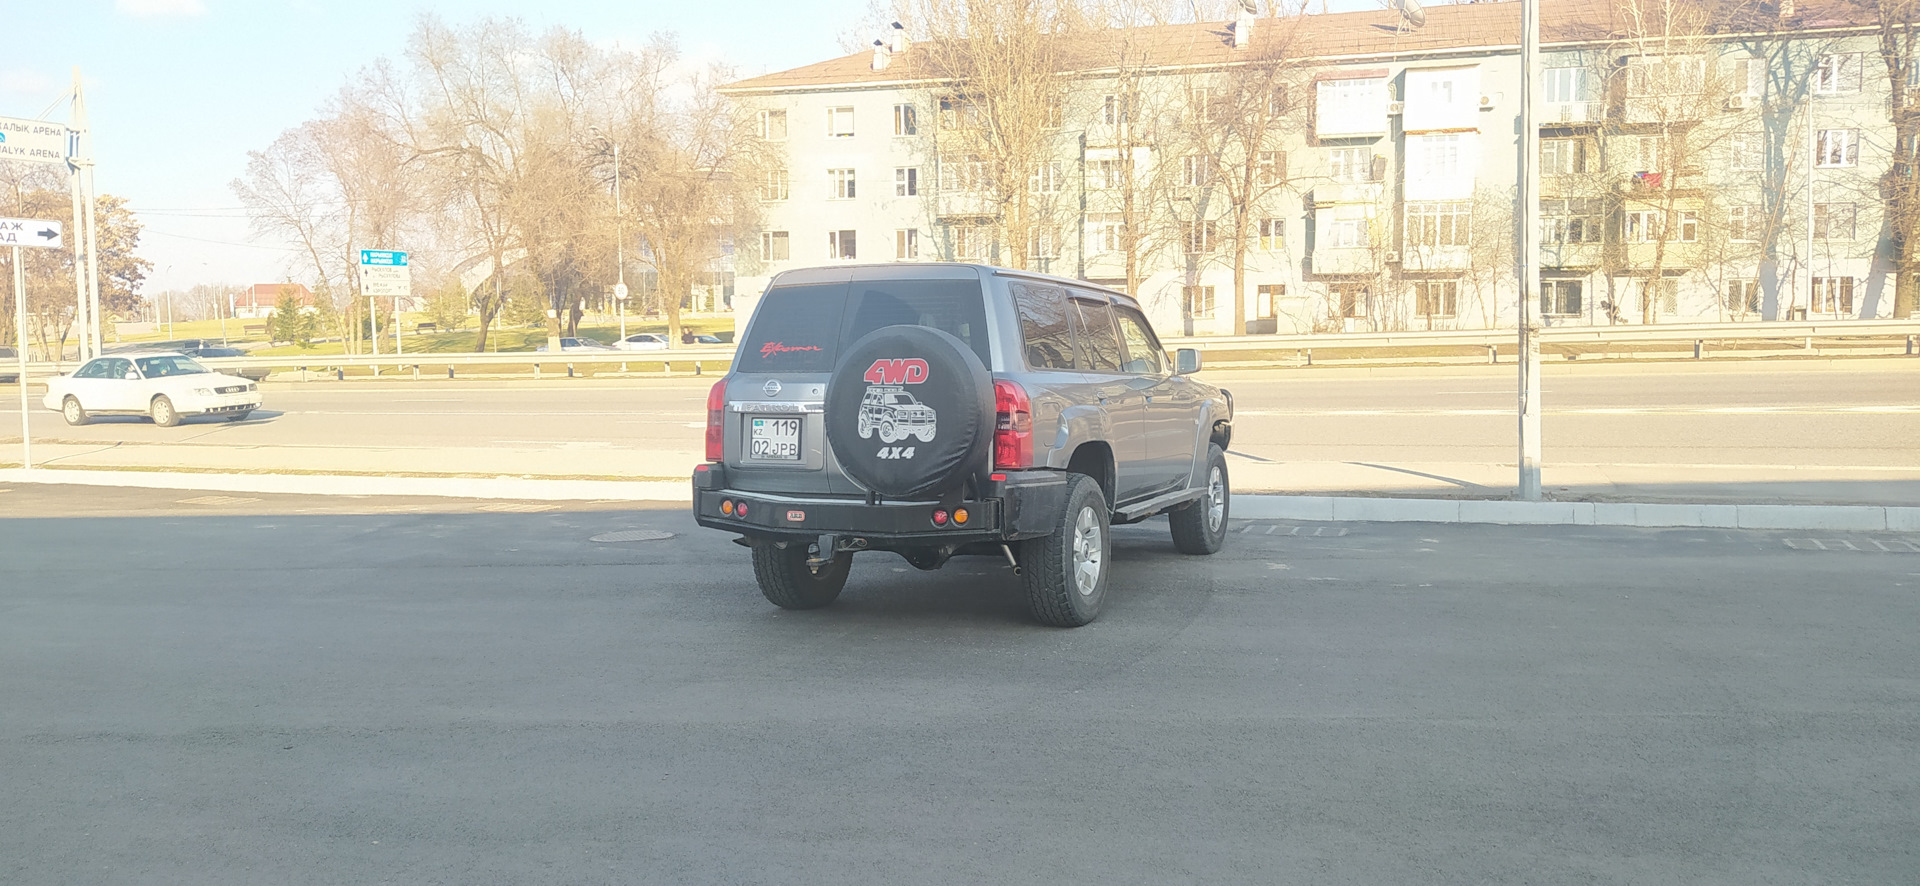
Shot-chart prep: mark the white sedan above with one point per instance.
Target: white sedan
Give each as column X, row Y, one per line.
column 642, row 341
column 165, row 386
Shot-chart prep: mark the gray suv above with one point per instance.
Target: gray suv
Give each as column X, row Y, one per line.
column 942, row 409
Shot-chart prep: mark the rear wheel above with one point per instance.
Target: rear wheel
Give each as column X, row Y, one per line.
column 789, row 583
column 1065, row 573
column 162, row 412
column 1200, row 526
column 73, row 412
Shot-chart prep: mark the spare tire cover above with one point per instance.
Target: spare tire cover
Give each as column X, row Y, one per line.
column 909, row 412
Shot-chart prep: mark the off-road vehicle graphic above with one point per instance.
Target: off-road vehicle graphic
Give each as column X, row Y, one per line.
column 893, row 412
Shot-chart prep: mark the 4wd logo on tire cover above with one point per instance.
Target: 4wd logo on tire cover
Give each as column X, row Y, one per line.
column 887, row 409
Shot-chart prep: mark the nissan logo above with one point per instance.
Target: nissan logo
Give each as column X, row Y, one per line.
column 773, row 387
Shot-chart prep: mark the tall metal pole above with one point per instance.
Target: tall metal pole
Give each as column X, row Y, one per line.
column 20, row 324
column 619, row 247
column 1813, row 161
column 88, row 200
column 79, row 264
column 1529, row 255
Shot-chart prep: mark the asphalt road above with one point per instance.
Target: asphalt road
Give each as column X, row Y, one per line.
column 1750, row 414
column 281, row 690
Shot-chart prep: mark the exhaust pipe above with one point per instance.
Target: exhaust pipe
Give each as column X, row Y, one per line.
column 1005, row 549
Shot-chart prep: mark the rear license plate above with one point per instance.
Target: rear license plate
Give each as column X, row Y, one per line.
column 775, row 439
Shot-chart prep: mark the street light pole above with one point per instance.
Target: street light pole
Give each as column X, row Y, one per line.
column 1529, row 256
column 619, row 247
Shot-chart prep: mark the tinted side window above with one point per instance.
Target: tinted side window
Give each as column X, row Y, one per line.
column 1043, row 326
column 1099, row 343
column 956, row 307
column 95, row 369
column 1143, row 352
column 118, row 368
column 796, row 329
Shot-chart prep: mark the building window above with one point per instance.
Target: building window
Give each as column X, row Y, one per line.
column 1351, row 106
column 1434, row 157
column 1042, row 245
column 774, row 246
column 773, row 125
column 1689, row 226
column 1438, row 224
column 1347, row 233
column 964, row 176
column 1103, row 174
column 1654, row 152
column 842, row 183
column 1833, row 221
column 1667, row 291
column 906, row 120
column 1273, row 234
column 1574, row 220
column 1436, row 298
column 774, row 185
column 1114, row 110
column 840, row 244
column 1837, row 147
column 1837, row 74
column 840, row 122
column 1560, row 298
column 1198, row 301
column 1744, row 222
column 1052, row 112
column 1563, row 156
column 1270, row 168
column 1743, row 296
column 1352, row 299
column 1833, row 295
column 1746, row 152
column 1196, row 170
column 1566, row 84
column 1642, row 225
column 906, row 244
column 906, row 181
column 1265, row 295
column 1108, row 231
column 1351, row 164
column 971, row 242
column 1749, row 76
column 1046, row 179
column 1277, row 101
column 1200, row 237
column 958, row 113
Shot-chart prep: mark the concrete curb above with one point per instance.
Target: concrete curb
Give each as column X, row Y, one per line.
column 1310, row 508
column 1332, row 509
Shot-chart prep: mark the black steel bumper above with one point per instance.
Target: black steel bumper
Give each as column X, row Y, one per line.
column 1025, row 504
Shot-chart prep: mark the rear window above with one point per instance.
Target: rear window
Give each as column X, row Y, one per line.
column 796, row 329
column 801, row 328
column 951, row 306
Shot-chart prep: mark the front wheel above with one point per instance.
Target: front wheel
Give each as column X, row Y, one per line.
column 163, row 412
column 1065, row 572
column 1200, row 526
column 789, row 583
column 73, row 412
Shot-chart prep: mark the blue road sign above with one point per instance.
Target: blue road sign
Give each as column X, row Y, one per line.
column 383, row 258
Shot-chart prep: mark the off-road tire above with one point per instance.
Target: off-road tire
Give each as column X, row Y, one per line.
column 787, row 582
column 163, row 413
column 1049, row 566
column 888, row 433
column 1197, row 527
column 73, row 412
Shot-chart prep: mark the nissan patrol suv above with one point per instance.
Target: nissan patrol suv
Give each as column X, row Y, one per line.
column 942, row 409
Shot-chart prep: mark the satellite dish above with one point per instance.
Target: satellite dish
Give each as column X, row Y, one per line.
column 1411, row 12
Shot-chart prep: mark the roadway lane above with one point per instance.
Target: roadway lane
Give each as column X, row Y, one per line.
column 493, row 697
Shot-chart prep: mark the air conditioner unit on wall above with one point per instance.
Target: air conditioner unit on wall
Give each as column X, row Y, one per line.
column 1393, row 258
column 1395, row 108
column 1738, row 102
column 1486, row 101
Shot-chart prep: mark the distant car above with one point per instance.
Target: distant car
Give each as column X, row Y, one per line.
column 166, row 386
column 689, row 338
column 9, row 365
column 579, row 344
column 642, row 341
column 217, row 351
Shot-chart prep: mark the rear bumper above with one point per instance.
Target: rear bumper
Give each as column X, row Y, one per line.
column 1024, row 505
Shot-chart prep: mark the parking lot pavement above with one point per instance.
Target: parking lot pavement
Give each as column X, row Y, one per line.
column 492, row 696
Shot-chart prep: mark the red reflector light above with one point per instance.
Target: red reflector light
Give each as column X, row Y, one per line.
column 740, row 509
column 716, row 416
column 997, row 478
column 940, row 518
column 700, row 468
column 1013, row 426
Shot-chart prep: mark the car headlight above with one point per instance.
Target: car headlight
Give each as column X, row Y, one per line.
column 204, row 392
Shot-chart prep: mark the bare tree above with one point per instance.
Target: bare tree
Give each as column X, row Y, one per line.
column 1900, row 185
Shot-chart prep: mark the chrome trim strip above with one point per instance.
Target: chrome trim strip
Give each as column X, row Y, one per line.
column 778, row 407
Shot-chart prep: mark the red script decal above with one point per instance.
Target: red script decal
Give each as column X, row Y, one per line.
column 780, row 347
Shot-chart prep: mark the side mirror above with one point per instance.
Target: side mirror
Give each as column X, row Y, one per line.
column 1186, row 361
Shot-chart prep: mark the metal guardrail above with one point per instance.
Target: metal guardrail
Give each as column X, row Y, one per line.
column 1680, row 335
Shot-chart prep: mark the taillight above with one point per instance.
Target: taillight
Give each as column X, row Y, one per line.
column 1013, row 426
column 716, row 415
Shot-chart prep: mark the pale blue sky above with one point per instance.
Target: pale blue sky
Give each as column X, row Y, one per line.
column 178, row 91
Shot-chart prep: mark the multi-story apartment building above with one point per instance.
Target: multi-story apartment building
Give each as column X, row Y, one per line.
column 1726, row 169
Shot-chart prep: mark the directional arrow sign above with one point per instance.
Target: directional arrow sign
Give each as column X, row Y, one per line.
column 31, row 232
column 384, row 273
